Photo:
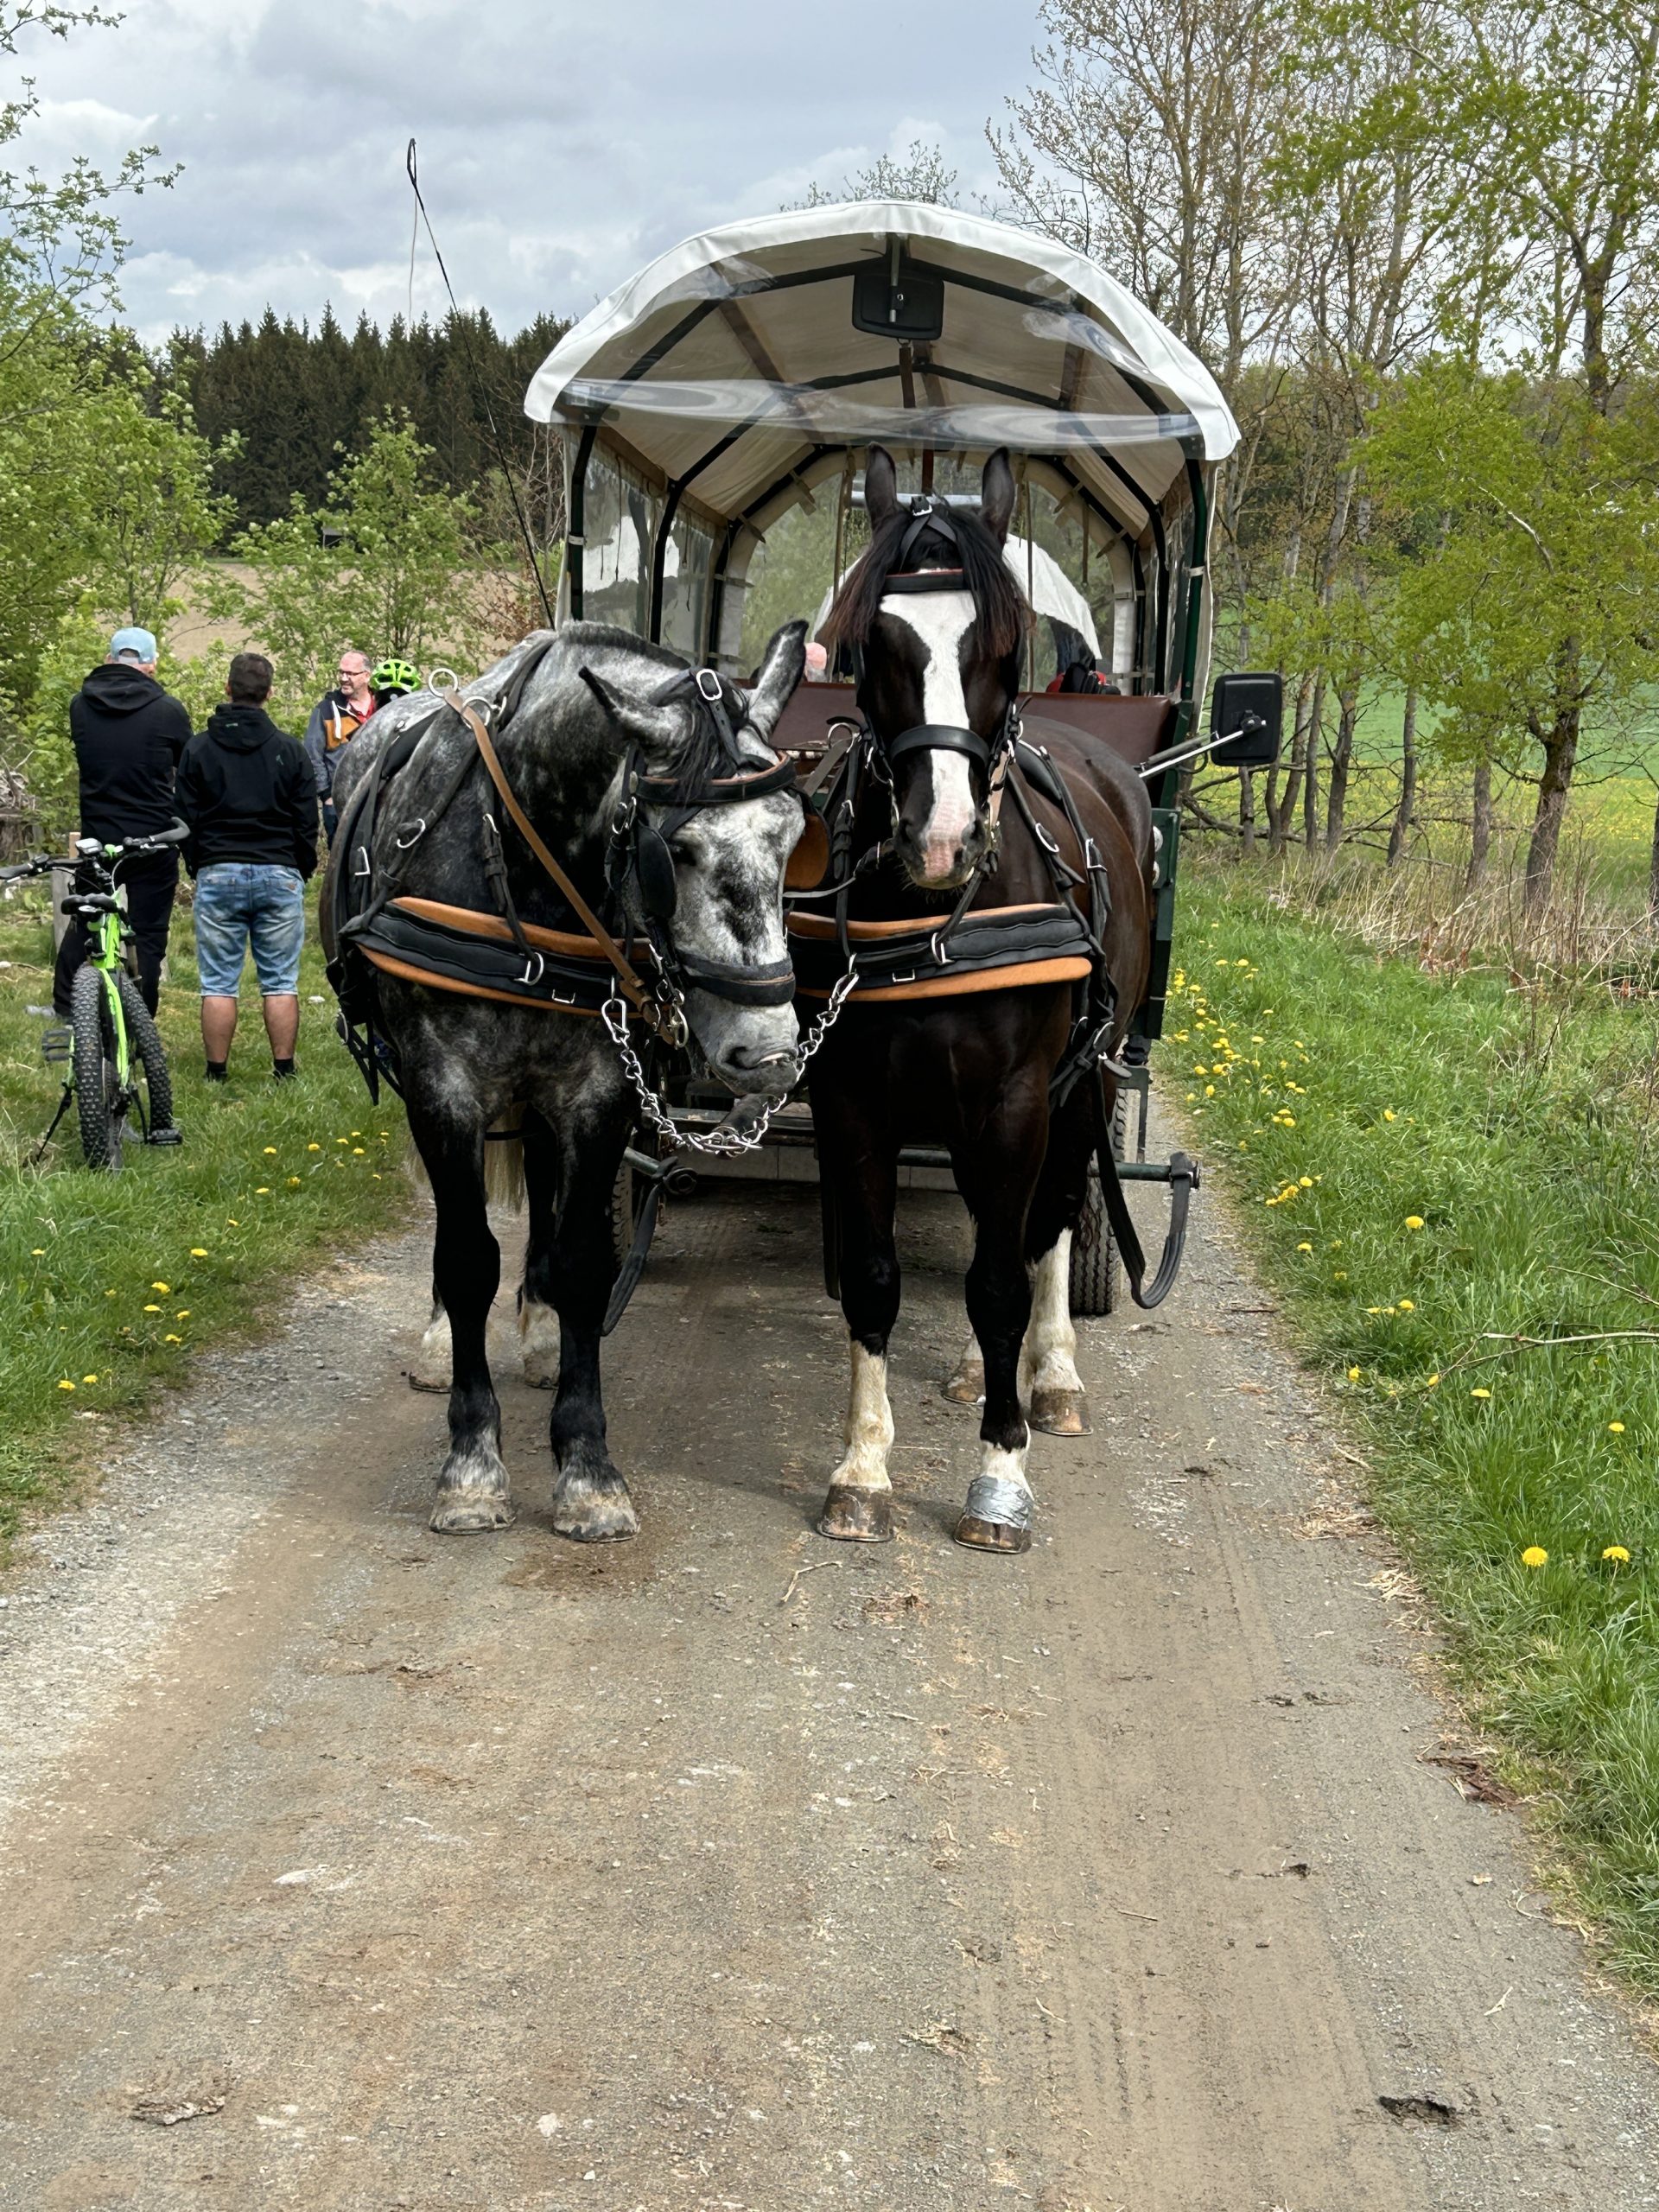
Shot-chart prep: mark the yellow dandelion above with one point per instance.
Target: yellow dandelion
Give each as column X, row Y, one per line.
column 1433, row 1379
column 1340, row 1276
column 1478, row 1393
column 1306, row 1182
column 358, row 1152
column 357, row 1133
column 1615, row 1428
column 263, row 1191
column 342, row 1140
column 66, row 1384
column 89, row 1378
column 293, row 1182
column 232, row 1222
column 183, row 1314
column 1617, row 1554
column 198, row 1251
column 1353, row 1375
column 1406, row 1306
column 38, row 1252
column 1304, row 1248
column 1534, row 1555
column 314, row 1146
column 161, row 1287
column 108, row 1293
column 1414, row 1221
column 152, row 1309
column 1287, row 1120
column 270, row 1151
column 172, row 1340
column 1209, row 1092
column 1388, row 1113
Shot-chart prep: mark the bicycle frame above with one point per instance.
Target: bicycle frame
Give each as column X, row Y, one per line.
column 105, row 955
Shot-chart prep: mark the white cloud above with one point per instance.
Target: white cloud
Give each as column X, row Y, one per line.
column 561, row 146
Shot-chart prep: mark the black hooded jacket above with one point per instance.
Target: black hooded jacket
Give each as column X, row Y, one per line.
column 246, row 791
column 128, row 736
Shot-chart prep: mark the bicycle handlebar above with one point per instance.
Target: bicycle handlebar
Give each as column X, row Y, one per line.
column 43, row 863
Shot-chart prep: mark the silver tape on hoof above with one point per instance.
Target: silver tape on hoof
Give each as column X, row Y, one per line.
column 994, row 1499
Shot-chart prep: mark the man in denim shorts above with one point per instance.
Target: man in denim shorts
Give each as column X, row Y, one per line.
column 247, row 794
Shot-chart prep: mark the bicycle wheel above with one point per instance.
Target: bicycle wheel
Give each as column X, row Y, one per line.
column 100, row 1105
column 144, row 1041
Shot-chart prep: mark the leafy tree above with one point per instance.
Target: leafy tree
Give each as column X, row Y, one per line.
column 920, row 175
column 1533, row 614
column 388, row 563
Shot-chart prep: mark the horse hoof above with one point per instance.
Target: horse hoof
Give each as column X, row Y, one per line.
column 428, row 1381
column 981, row 1535
column 462, row 1513
column 538, row 1377
column 967, row 1386
column 595, row 1513
column 1060, row 1413
column 857, row 1516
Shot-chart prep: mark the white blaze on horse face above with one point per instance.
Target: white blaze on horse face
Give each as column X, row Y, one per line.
column 940, row 620
column 869, row 1425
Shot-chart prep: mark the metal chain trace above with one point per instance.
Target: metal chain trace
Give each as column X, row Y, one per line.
column 721, row 1144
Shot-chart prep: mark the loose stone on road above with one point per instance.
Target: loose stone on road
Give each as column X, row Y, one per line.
column 348, row 1866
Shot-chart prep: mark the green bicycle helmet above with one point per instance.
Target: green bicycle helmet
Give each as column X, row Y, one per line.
column 395, row 676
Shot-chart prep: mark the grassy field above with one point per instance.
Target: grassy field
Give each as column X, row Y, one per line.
column 115, row 1285
column 1449, row 1177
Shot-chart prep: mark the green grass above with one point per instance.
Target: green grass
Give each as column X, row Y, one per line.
column 226, row 1222
column 1346, row 1097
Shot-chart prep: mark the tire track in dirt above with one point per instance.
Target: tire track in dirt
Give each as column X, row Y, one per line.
column 731, row 1870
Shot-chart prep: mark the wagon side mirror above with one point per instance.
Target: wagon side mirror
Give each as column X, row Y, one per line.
column 1251, row 709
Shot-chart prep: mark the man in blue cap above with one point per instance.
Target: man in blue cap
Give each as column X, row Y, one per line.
column 128, row 736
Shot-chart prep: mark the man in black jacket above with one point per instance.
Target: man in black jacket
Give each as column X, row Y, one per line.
column 128, row 736
column 249, row 798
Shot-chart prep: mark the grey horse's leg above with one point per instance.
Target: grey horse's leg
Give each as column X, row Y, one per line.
column 570, row 1266
column 472, row 1492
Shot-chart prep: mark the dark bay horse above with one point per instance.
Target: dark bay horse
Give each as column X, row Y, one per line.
column 938, row 627
column 596, row 707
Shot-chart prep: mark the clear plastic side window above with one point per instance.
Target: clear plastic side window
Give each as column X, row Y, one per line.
column 620, row 527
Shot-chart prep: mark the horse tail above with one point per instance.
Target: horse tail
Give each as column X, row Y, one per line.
column 504, row 1162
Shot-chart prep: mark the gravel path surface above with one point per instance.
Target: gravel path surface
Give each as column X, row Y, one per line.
column 346, row 1866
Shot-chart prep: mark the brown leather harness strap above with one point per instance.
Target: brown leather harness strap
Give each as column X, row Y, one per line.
column 627, row 978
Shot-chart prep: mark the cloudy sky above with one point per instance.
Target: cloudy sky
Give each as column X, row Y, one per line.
column 561, row 147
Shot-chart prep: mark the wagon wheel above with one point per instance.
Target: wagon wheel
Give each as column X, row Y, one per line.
column 627, row 1195
column 1096, row 1281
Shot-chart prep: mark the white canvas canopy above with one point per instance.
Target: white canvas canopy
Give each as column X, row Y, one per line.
column 731, row 367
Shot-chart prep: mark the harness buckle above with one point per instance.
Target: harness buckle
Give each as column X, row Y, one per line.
column 533, row 973
column 936, row 946
column 363, row 867
column 403, row 844
column 709, row 689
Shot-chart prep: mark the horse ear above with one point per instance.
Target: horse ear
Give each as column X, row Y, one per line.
column 996, row 495
column 881, row 488
column 780, row 671
column 656, row 729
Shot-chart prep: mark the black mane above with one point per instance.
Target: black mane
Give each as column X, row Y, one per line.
column 1003, row 613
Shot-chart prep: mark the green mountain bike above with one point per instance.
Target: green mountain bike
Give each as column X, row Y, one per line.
column 115, row 1070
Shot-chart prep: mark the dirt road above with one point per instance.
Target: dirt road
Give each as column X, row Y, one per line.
column 732, row 1870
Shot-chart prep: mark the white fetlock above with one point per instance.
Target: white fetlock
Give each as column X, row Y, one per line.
column 432, row 1365
column 1049, row 1382
column 538, row 1332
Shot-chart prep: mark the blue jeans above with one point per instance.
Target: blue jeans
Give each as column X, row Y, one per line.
column 244, row 902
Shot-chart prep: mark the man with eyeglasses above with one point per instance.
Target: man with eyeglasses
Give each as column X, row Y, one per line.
column 335, row 720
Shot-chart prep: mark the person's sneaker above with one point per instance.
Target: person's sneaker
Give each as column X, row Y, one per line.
column 218, row 1071
column 284, row 1070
